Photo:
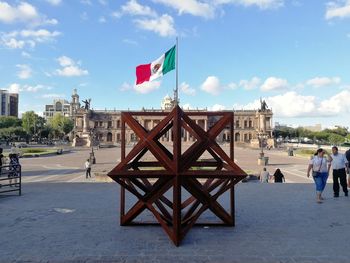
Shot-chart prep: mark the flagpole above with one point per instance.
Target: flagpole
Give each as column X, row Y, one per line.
column 177, row 74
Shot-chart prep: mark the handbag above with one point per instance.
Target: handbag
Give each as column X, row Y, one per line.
column 316, row 174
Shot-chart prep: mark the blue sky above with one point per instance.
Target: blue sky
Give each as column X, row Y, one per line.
column 295, row 54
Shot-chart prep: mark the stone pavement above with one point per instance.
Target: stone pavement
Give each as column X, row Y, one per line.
column 69, row 167
column 79, row 222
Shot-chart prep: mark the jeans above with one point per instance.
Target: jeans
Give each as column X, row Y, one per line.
column 321, row 181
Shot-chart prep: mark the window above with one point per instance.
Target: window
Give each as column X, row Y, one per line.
column 118, row 124
column 109, row 124
column 109, row 137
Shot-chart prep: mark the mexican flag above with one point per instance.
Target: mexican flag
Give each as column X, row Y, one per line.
column 157, row 68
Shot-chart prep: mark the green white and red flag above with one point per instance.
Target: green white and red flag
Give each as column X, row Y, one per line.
column 156, row 69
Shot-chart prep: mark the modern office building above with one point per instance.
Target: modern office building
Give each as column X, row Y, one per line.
column 9, row 103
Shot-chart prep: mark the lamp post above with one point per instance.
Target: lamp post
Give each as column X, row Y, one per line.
column 262, row 137
column 92, row 154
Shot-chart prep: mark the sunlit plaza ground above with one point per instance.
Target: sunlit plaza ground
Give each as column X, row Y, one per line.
column 63, row 217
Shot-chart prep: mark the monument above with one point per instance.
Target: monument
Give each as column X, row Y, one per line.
column 175, row 170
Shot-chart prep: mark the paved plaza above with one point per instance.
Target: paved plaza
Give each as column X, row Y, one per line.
column 61, row 218
column 69, row 167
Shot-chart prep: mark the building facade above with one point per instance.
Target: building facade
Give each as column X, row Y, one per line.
column 106, row 124
column 9, row 103
column 58, row 106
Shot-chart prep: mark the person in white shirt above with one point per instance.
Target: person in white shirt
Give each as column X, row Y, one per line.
column 340, row 167
column 264, row 176
column 88, row 169
column 318, row 165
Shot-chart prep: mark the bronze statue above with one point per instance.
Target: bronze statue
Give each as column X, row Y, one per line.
column 263, row 106
column 87, row 104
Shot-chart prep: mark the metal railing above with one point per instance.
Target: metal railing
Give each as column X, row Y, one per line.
column 11, row 179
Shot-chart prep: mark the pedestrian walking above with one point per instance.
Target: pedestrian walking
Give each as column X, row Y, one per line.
column 264, row 176
column 318, row 165
column 88, row 169
column 347, row 155
column 340, row 167
column 278, row 176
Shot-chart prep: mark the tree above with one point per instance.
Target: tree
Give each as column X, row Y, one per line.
column 29, row 123
column 60, row 125
column 336, row 139
column 9, row 121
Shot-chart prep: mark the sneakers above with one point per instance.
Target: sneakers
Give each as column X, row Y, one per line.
column 346, row 194
column 336, row 195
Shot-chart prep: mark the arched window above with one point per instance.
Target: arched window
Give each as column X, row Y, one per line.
column 58, row 106
column 109, row 137
column 237, row 137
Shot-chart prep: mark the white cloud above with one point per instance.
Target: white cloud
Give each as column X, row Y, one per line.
column 292, row 104
column 27, row 38
column 186, row 89
column 217, row 107
column 41, row 35
column 25, row 72
column 187, row 106
column 274, row 83
column 337, row 104
column 143, row 88
column 250, row 84
column 12, row 43
column 25, row 54
column 339, row 9
column 192, row 7
column 125, row 87
column 132, row 7
column 24, row 13
column 262, row 4
column 14, row 88
column 147, row 87
column 70, row 68
column 54, row 2
column 212, row 85
column 232, row 86
column 163, row 25
column 323, row 81
column 289, row 104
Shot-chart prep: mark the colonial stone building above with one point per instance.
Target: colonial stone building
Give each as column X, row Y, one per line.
column 105, row 125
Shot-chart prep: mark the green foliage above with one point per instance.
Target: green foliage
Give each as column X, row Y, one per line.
column 336, row 139
column 60, row 125
column 332, row 136
column 29, row 120
column 9, row 121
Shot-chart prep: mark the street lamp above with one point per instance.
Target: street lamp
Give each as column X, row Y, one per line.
column 92, row 154
column 262, row 137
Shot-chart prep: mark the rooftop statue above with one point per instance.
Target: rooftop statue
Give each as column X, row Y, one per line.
column 87, row 104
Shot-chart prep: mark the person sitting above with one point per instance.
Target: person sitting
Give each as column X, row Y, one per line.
column 278, row 176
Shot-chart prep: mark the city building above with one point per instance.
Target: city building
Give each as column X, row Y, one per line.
column 249, row 125
column 9, row 103
column 58, row 106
